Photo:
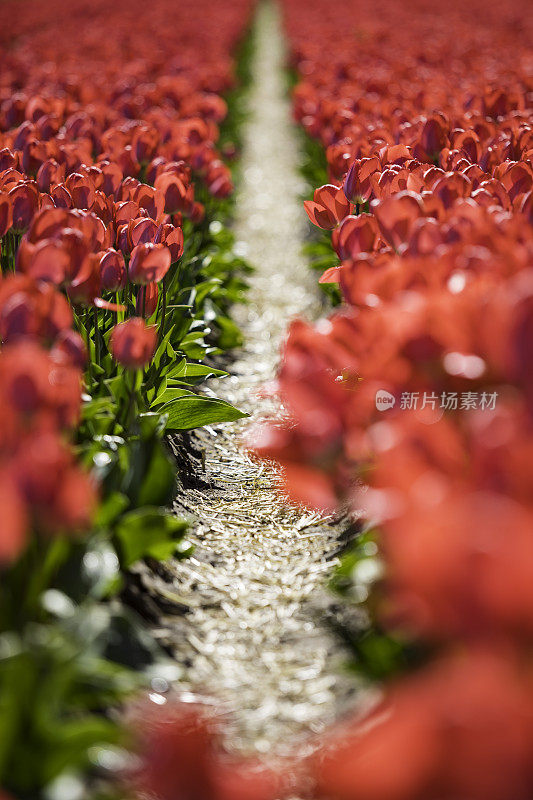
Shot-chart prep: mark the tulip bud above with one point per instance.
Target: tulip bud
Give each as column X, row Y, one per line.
column 149, row 263
column 69, row 348
column 351, row 183
column 133, row 343
column 112, row 270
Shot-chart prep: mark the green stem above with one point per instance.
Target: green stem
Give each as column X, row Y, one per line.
column 96, row 335
column 131, row 398
column 88, row 343
column 163, row 309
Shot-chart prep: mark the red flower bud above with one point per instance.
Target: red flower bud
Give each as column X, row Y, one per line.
column 149, row 263
column 69, row 348
column 112, row 270
column 133, row 343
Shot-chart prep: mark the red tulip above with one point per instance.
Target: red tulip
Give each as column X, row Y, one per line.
column 24, row 199
column 47, row 224
column 178, row 196
column 141, row 231
column 172, row 237
column 6, row 216
column 8, row 159
column 149, row 263
column 69, row 348
column 14, row 525
column 182, row 759
column 81, row 189
column 111, row 176
column 434, row 135
column 112, row 270
column 406, row 748
column 149, row 199
column 50, row 173
column 396, row 216
column 178, row 750
column 328, row 207
column 61, row 196
column 86, row 285
column 357, row 185
column 218, row 179
column 33, row 386
column 133, row 343
column 46, row 261
column 35, row 310
column 355, row 235
column 196, row 214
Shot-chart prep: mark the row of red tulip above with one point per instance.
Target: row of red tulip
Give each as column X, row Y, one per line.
column 100, row 133
column 109, row 169
column 419, row 388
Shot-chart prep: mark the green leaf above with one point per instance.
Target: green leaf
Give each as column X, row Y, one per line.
column 111, row 508
column 230, row 333
column 194, row 373
column 168, row 395
column 148, row 532
column 162, row 346
column 193, row 411
column 158, row 479
column 177, row 369
column 196, row 350
column 97, row 406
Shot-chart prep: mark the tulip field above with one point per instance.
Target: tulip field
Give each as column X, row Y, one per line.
column 399, row 406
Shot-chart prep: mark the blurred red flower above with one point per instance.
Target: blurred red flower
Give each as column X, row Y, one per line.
column 439, row 735
column 133, row 343
column 183, row 758
column 14, row 521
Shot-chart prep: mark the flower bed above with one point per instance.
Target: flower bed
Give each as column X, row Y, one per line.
column 413, row 400
column 117, row 277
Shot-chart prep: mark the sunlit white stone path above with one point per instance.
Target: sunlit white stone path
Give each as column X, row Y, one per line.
column 254, row 632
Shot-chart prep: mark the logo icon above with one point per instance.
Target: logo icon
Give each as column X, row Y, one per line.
column 384, row 400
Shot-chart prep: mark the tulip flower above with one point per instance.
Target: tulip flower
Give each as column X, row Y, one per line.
column 112, row 270
column 355, row 235
column 406, row 748
column 178, row 196
column 328, row 207
column 172, row 237
column 50, row 173
column 182, row 758
column 133, row 343
column 14, row 523
column 86, row 285
column 24, row 199
column 6, row 216
column 149, row 263
column 69, row 348
column 31, row 310
column 396, row 215
column 357, row 185
column 81, row 189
